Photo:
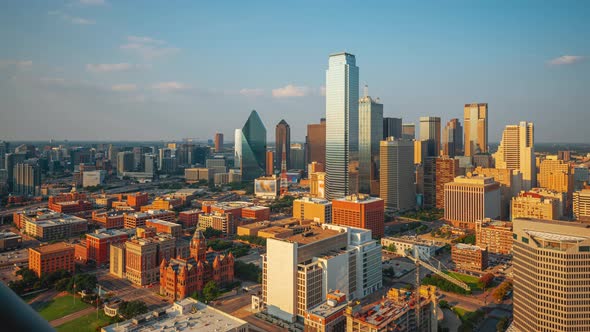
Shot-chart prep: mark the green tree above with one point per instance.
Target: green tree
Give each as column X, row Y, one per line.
column 211, row 232
column 392, row 248
column 131, row 309
column 82, row 282
column 485, row 281
column 247, row 271
column 210, row 291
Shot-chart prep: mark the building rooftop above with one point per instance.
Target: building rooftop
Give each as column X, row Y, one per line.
column 313, row 235
column 464, row 246
column 257, row 208
column 363, row 199
column 474, row 180
column 163, row 222
column 149, row 213
column 411, row 240
column 329, row 307
column 58, row 219
column 313, row 200
column 8, row 235
column 106, row 233
column 50, row 248
column 186, row 315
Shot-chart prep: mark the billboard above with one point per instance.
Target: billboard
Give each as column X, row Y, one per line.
column 266, row 187
column 321, row 190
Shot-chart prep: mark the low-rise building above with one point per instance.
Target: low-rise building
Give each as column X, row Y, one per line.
column 163, row 203
column 189, row 315
column 162, row 226
column 71, row 203
column 469, row 257
column 144, row 255
column 134, row 220
column 10, row 241
column 256, row 213
column 194, row 175
column 360, row 211
column 50, row 258
column 329, row 315
column 54, row 226
column 189, row 219
column 316, row 209
column 409, row 245
column 533, row 205
column 117, row 260
column 581, row 204
column 99, row 242
column 224, row 222
column 109, row 219
column 494, row 235
column 93, row 178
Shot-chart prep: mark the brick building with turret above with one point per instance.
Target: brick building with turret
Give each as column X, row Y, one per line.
column 180, row 278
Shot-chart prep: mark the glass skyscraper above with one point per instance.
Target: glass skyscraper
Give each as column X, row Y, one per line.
column 342, row 95
column 252, row 147
column 370, row 134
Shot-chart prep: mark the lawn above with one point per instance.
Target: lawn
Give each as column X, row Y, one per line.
column 59, row 307
column 85, row 323
column 469, row 280
column 460, row 312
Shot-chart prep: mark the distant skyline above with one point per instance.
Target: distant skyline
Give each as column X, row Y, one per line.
column 109, row 70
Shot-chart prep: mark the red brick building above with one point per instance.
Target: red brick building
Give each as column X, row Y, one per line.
column 360, row 211
column 133, row 220
column 98, row 244
column 137, row 200
column 179, row 278
column 256, row 213
column 167, row 227
column 50, row 258
column 70, row 203
column 108, row 220
column 189, row 219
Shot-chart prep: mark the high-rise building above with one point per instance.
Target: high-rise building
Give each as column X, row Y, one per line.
column 452, row 139
column 551, row 260
column 300, row 270
column 430, row 132
column 253, row 148
column 282, row 141
column 342, row 95
column 469, row 199
column 397, row 188
column 315, row 142
column 475, row 122
column 26, row 179
column 517, row 151
column 533, row 205
column 510, row 185
column 408, row 131
column 218, row 142
column 429, row 182
column 370, row 134
column 238, row 149
column 125, row 162
column 270, row 163
column 582, row 204
column 392, row 127
column 360, row 211
column 555, row 174
column 447, row 169
column 420, row 151
column 297, row 157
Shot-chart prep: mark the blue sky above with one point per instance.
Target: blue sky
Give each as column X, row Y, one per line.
column 111, row 70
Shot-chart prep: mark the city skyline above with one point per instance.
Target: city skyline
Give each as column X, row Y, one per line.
column 127, row 79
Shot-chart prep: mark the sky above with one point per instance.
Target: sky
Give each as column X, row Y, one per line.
column 166, row 70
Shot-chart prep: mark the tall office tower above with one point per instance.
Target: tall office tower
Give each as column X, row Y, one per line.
column 125, row 162
column 26, row 179
column 447, row 169
column 517, row 151
column 420, row 151
column 430, row 132
column 392, row 127
column 397, row 188
column 452, row 138
column 315, row 142
column 4, row 149
column 238, row 149
column 342, row 95
column 551, row 260
column 299, row 271
column 408, row 131
column 370, row 134
column 282, row 141
column 270, row 163
column 10, row 161
column 564, row 155
column 469, row 199
column 218, row 142
column 475, row 122
column 253, row 148
column 149, row 163
column 297, row 157
column 429, row 182
column 582, row 205
column 510, row 185
column 581, row 176
column 555, row 174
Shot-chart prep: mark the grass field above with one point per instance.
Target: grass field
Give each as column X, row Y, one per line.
column 88, row 323
column 59, row 307
column 460, row 312
column 469, row 280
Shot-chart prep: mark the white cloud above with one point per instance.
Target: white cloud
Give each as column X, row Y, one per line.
column 290, row 91
column 170, row 86
column 124, row 87
column 148, row 47
column 112, row 67
column 323, row 90
column 21, row 64
column 566, row 60
column 252, row 92
column 71, row 19
column 53, row 80
column 92, row 2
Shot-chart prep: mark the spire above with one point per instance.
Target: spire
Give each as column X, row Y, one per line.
column 366, row 91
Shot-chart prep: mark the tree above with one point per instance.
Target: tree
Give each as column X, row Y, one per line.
column 131, row 309
column 501, row 326
column 210, row 291
column 392, row 248
column 501, row 291
column 485, row 281
column 247, row 271
column 82, row 282
column 211, row 232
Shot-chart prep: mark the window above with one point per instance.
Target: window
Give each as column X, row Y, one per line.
column 525, row 239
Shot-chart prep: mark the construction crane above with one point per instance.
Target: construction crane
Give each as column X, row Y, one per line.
column 415, row 257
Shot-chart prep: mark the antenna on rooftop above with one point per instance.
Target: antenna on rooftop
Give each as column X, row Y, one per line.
column 366, row 91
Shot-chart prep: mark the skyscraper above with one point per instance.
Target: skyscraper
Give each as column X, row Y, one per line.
column 253, row 148
column 446, row 170
column 408, row 131
column 125, row 162
column 282, row 140
column 370, row 134
column 430, row 132
column 517, row 151
column 218, row 142
column 315, row 142
column 476, row 128
column 392, row 127
column 551, row 263
column 397, row 188
column 342, row 95
column 238, row 148
column 26, row 179
column 452, row 138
